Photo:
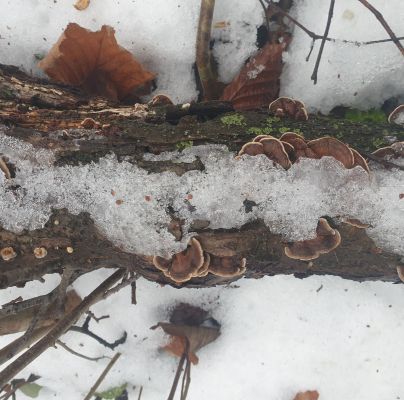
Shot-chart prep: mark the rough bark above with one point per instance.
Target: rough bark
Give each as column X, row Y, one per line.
column 35, row 108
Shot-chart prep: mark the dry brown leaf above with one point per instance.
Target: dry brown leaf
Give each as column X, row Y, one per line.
column 81, row 4
column 309, row 395
column 95, row 61
column 257, row 84
column 198, row 337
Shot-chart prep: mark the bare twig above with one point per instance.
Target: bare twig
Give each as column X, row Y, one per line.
column 102, row 376
column 204, row 62
column 320, row 52
column 265, row 14
column 385, row 25
column 186, row 380
column 58, row 329
column 140, row 393
column 70, row 350
column 177, row 376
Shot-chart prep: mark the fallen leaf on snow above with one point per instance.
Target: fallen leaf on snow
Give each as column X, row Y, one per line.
column 257, row 84
column 309, row 395
column 95, row 61
column 81, row 4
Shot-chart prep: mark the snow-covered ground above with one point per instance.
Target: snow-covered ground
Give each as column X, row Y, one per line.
column 280, row 334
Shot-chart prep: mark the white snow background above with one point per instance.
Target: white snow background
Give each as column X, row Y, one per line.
column 279, row 334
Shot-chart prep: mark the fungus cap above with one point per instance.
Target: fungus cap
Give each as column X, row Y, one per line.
column 397, row 115
column 7, row 253
column 329, row 146
column 327, row 239
column 287, row 107
column 227, row 267
column 181, row 267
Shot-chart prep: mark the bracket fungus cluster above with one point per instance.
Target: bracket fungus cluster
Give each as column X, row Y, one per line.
column 396, row 150
column 291, row 146
column 327, row 239
column 287, row 107
column 193, row 262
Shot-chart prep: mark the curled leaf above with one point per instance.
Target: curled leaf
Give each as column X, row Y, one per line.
column 95, row 61
column 308, row 395
column 257, row 84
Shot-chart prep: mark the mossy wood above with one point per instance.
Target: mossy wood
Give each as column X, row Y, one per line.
column 33, row 108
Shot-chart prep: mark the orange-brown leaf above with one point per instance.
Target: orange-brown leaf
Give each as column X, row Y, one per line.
column 257, row 84
column 81, row 4
column 309, row 395
column 95, row 61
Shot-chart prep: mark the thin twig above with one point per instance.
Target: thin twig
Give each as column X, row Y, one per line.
column 266, row 15
column 177, row 376
column 58, row 329
column 186, row 380
column 102, row 376
column 70, row 350
column 204, row 62
column 385, row 25
column 316, row 36
column 320, row 52
column 140, row 393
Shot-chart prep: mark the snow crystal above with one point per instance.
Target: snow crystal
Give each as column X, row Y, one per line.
column 351, row 75
column 129, row 205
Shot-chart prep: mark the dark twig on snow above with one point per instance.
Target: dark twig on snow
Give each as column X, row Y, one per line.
column 140, row 393
column 102, row 376
column 320, row 52
column 84, row 329
column 385, row 25
column 265, row 14
column 184, row 357
column 316, row 36
column 70, row 350
column 59, row 329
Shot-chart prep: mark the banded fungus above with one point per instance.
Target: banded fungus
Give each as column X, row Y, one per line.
column 355, row 222
column 397, row 115
column 181, row 267
column 227, row 267
column 400, row 272
column 7, row 253
column 160, row 100
column 287, row 107
column 327, row 240
column 273, row 148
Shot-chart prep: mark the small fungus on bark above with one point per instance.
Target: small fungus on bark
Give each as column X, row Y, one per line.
column 7, row 253
column 181, row 267
column 227, row 267
column 160, row 100
column 327, row 239
column 287, row 107
column 40, row 252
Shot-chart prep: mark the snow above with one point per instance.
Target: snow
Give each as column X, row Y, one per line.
column 279, row 335
column 129, row 205
column 357, row 76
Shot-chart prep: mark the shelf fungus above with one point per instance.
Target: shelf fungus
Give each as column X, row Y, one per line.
column 290, row 147
column 396, row 150
column 194, row 262
column 287, row 107
column 227, row 267
column 397, row 115
column 181, row 267
column 273, row 148
column 327, row 239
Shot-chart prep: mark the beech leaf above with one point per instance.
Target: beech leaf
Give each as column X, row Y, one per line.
column 31, row 389
column 257, row 84
column 95, row 61
column 308, row 395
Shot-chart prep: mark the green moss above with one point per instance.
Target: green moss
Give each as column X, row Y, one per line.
column 371, row 115
column 378, row 142
column 183, row 145
column 284, row 129
column 233, row 119
column 255, row 130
